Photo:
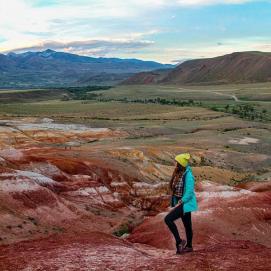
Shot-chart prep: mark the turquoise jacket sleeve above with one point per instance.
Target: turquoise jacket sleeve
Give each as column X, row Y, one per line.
column 188, row 188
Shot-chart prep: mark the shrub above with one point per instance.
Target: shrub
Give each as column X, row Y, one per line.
column 214, row 108
column 122, row 230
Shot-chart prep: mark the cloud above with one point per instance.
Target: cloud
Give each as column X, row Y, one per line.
column 210, row 2
column 2, row 39
column 163, row 3
column 180, row 61
column 124, row 28
column 226, row 46
column 27, row 22
column 88, row 47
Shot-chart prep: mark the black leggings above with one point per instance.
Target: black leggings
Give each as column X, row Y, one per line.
column 176, row 213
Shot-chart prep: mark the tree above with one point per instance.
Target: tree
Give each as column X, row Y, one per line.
column 227, row 107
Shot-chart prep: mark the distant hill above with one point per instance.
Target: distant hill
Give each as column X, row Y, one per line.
column 243, row 67
column 51, row 68
column 151, row 77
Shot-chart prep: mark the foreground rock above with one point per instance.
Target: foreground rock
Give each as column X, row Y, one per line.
column 225, row 213
column 98, row 251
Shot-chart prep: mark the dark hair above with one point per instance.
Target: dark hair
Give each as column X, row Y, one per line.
column 180, row 168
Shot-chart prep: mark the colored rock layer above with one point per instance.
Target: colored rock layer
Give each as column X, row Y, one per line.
column 65, row 194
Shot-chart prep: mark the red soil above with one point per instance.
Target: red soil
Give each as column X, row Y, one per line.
column 98, row 251
column 59, row 208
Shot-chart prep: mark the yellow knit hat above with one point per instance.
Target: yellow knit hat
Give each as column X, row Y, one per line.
column 183, row 159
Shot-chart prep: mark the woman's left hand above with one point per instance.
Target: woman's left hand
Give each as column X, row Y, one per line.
column 180, row 202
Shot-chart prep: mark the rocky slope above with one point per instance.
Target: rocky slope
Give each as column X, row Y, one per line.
column 226, row 213
column 243, row 67
column 65, row 195
column 98, row 251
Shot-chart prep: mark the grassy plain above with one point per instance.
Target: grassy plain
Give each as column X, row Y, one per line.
column 257, row 95
column 151, row 123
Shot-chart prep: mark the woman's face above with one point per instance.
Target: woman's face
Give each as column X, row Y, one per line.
column 181, row 168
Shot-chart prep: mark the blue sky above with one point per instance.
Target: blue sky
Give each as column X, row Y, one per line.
column 163, row 30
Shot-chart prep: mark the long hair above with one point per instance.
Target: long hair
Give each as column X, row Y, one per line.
column 177, row 174
column 180, row 169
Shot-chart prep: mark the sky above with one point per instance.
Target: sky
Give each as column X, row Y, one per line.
column 167, row 31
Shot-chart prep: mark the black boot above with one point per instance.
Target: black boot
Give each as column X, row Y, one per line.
column 180, row 246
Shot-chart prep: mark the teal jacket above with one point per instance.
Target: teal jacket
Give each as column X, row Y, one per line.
column 189, row 198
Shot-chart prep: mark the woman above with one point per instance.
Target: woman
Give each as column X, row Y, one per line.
column 184, row 200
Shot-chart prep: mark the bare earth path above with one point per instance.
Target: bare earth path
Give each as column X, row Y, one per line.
column 211, row 91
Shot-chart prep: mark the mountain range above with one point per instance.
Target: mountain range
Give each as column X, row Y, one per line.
column 51, row 68
column 239, row 67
